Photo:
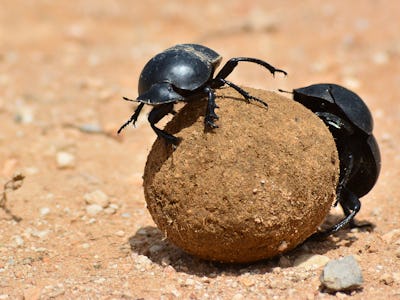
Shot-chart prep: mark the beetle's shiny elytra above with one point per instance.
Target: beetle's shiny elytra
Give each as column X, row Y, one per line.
column 351, row 125
column 181, row 72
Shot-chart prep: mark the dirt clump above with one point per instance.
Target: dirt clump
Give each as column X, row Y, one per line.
column 255, row 187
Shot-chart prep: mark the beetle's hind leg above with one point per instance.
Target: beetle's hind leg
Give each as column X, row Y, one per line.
column 156, row 114
column 351, row 206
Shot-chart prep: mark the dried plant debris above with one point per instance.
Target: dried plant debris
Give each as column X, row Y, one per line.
column 12, row 185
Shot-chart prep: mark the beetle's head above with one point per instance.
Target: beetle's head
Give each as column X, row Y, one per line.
column 160, row 93
column 316, row 97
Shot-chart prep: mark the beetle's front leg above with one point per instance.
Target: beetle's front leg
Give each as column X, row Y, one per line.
column 211, row 106
column 156, row 114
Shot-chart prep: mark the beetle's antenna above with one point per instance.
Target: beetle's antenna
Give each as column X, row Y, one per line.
column 283, row 91
column 127, row 99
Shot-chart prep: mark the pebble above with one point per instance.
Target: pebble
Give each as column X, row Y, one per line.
column 65, row 160
column 93, row 209
column 311, row 261
column 126, row 215
column 41, row 234
column 91, row 128
column 283, row 246
column 111, row 209
column 342, row 274
column 247, row 281
column 24, row 114
column 19, row 241
column 120, row 233
column 44, row 211
column 97, row 197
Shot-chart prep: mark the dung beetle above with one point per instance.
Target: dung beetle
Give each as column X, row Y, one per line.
column 178, row 74
column 351, row 124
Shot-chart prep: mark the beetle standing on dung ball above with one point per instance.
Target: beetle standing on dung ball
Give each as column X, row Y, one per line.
column 351, row 124
column 178, row 74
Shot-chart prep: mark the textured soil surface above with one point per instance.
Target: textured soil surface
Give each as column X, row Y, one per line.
column 77, row 225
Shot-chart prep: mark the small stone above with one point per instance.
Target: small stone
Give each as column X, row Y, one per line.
column 65, row 160
column 19, row 241
column 189, row 282
column 342, row 274
column 311, row 261
column 283, row 246
column 111, row 209
column 246, row 281
column 97, row 197
column 120, row 233
column 24, row 114
column 165, row 261
column 44, row 211
column 91, row 128
column 41, row 234
column 93, row 209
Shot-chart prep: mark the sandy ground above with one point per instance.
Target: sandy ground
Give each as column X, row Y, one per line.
column 64, row 67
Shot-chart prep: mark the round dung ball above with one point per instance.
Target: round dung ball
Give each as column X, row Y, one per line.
column 255, row 187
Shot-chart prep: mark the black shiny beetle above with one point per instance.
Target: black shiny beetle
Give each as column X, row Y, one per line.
column 351, row 124
column 181, row 72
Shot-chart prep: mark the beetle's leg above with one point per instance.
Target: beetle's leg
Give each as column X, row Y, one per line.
column 338, row 126
column 241, row 91
column 211, row 106
column 133, row 118
column 351, row 205
column 156, row 114
column 349, row 202
column 233, row 62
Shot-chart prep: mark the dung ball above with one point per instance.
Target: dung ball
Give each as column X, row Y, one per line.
column 255, row 187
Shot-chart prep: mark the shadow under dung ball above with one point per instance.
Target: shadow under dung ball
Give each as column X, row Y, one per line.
column 257, row 186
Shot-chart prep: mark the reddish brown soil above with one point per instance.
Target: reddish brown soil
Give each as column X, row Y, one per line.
column 64, row 65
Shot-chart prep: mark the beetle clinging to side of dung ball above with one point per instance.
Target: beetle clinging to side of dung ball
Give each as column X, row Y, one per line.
column 181, row 72
column 351, row 124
